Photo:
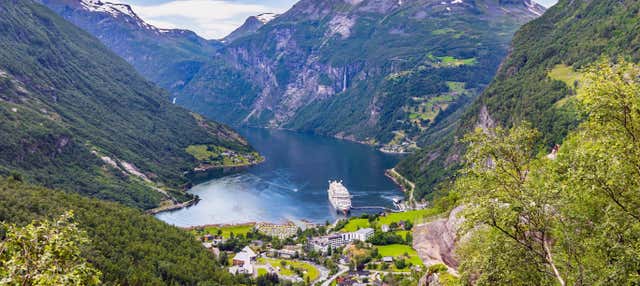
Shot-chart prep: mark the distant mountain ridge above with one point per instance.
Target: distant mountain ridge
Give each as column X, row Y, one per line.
column 168, row 57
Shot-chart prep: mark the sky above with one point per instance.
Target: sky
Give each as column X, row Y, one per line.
column 212, row 19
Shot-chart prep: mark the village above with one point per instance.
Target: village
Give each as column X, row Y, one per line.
column 372, row 249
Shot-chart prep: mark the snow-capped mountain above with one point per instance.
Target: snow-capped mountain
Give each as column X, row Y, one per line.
column 168, row 57
column 250, row 26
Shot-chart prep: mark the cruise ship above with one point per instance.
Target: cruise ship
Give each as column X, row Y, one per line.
column 339, row 197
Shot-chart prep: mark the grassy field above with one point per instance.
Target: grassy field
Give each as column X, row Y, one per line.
column 262, row 271
column 226, row 230
column 449, row 61
column 398, row 251
column 311, row 272
column 429, row 108
column 217, row 155
column 402, row 233
column 455, row 86
column 567, row 75
column 417, row 216
column 355, row 224
column 443, row 31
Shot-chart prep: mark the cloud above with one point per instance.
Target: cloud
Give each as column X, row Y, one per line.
column 211, row 19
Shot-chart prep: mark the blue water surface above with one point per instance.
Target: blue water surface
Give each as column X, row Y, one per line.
column 292, row 183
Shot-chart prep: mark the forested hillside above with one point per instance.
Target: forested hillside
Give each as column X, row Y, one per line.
column 127, row 246
column 74, row 116
column 376, row 71
column 536, row 82
column 566, row 218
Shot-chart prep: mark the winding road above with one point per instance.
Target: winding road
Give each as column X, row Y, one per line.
column 343, row 269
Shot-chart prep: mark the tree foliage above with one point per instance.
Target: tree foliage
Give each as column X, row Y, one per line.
column 127, row 246
column 570, row 220
column 46, row 253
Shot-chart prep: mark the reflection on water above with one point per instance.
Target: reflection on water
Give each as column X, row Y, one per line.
column 291, row 184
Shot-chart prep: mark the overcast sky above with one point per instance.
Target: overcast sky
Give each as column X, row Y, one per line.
column 212, row 19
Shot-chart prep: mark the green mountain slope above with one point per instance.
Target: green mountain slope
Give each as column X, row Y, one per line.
column 74, row 116
column 375, row 71
column 128, row 247
column 536, row 81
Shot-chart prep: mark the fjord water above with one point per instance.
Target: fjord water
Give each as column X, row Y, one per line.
column 292, row 183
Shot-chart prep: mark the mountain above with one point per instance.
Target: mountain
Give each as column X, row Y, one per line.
column 250, row 26
column 380, row 71
column 127, row 246
column 536, row 81
column 75, row 116
column 168, row 57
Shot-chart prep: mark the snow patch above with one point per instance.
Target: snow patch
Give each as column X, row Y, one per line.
column 117, row 10
column 106, row 7
column 266, row 17
column 456, row 2
column 534, row 8
column 354, row 2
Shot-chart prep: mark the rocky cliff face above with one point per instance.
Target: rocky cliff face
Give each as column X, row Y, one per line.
column 436, row 241
column 373, row 70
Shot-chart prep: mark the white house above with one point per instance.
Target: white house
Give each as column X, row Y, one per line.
column 243, row 261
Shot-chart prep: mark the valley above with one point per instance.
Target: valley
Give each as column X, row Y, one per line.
column 425, row 60
column 480, row 142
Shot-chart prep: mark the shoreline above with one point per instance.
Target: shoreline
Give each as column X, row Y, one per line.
column 396, row 177
column 379, row 147
column 217, row 225
column 205, row 168
column 173, row 207
column 400, row 180
column 195, row 172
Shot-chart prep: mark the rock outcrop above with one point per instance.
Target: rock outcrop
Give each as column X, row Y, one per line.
column 436, row 241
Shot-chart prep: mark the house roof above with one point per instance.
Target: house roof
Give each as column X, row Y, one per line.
column 365, row 231
column 249, row 251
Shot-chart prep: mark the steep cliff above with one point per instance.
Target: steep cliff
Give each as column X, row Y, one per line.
column 380, row 71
